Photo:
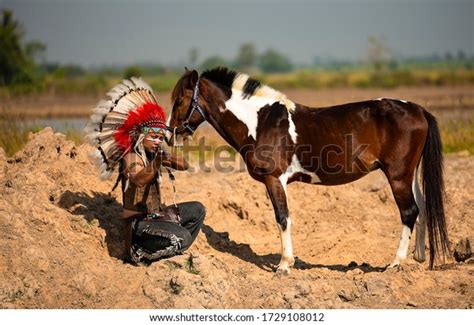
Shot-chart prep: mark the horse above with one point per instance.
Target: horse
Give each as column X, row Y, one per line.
column 282, row 142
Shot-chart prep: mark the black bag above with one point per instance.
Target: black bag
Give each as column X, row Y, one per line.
column 166, row 214
column 154, row 238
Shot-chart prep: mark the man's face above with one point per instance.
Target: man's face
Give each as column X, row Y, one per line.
column 154, row 137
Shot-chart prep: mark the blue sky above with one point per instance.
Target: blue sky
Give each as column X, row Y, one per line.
column 125, row 32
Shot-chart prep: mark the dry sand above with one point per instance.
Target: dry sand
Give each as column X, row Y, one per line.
column 61, row 243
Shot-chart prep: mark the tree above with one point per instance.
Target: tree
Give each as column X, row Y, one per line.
column 132, row 71
column 16, row 60
column 36, row 50
column 380, row 54
column 273, row 61
column 69, row 71
column 461, row 55
column 247, row 56
column 213, row 62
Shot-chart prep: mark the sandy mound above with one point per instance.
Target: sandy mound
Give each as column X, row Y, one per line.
column 61, row 242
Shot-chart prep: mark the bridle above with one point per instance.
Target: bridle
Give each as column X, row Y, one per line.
column 193, row 107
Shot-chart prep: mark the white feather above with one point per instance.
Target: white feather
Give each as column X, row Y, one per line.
column 100, row 110
column 108, row 146
column 129, row 84
column 89, row 128
column 117, row 92
column 112, row 120
column 141, row 84
column 96, row 157
column 106, row 104
column 123, row 106
column 104, row 135
column 96, row 118
column 92, row 138
column 105, row 175
column 120, row 89
column 108, row 116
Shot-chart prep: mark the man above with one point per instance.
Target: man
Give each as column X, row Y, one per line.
column 147, row 237
column 128, row 130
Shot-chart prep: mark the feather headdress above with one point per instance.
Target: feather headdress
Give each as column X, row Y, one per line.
column 116, row 122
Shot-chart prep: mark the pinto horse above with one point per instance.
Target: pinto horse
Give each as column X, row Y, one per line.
column 282, row 142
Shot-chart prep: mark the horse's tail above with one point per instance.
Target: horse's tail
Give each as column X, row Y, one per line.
column 433, row 187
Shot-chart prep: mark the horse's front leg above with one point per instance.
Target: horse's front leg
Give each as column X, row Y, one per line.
column 277, row 191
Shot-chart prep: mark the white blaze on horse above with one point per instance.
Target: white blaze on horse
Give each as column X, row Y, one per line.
column 282, row 142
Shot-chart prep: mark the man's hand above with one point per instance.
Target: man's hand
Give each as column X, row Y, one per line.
column 173, row 160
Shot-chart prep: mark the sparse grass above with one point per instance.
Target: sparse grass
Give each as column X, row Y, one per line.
column 367, row 78
column 91, row 84
column 74, row 135
column 458, row 135
column 14, row 133
column 172, row 265
column 175, row 286
column 190, row 265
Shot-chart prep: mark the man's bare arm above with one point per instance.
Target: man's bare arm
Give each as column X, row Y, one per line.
column 175, row 161
column 137, row 172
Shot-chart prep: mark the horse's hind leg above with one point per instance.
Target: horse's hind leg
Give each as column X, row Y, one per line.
column 401, row 184
column 277, row 192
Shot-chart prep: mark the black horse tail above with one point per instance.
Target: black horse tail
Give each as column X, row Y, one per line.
column 433, row 188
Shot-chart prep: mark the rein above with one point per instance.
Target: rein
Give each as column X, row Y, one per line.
column 193, row 107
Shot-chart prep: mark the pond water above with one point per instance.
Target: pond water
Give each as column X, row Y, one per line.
column 59, row 124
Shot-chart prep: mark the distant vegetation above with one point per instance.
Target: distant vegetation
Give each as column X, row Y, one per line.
column 17, row 58
column 24, row 69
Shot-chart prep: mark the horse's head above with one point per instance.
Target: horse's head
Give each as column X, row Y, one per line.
column 187, row 111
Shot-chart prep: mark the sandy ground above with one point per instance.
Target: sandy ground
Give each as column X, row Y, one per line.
column 61, row 243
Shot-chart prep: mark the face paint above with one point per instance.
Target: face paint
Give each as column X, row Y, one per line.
column 154, row 139
column 156, row 129
column 155, row 135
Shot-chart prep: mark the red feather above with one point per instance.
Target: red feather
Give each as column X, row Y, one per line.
column 149, row 114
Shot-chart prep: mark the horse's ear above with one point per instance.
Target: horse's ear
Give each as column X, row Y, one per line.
column 186, row 69
column 194, row 77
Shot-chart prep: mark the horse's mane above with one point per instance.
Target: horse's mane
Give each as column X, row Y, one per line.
column 232, row 80
column 220, row 75
column 245, row 84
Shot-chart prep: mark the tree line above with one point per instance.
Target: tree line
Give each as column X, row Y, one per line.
column 247, row 59
column 23, row 67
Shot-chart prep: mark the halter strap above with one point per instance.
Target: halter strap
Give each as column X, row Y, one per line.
column 193, row 106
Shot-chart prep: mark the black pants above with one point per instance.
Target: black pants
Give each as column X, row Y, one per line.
column 192, row 216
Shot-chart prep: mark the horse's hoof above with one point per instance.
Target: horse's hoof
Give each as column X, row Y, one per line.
column 420, row 258
column 394, row 266
column 282, row 272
